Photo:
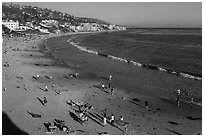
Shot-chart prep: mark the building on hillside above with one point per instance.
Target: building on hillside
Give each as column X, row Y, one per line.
column 45, row 26
column 111, row 26
column 11, row 24
column 79, row 28
column 123, row 28
column 72, row 27
column 29, row 24
column 86, row 26
column 50, row 22
column 95, row 27
column 44, row 30
column 24, row 28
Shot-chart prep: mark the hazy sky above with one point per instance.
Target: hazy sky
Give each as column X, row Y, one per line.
column 138, row 14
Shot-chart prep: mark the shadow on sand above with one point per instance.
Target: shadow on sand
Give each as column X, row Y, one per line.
column 9, row 128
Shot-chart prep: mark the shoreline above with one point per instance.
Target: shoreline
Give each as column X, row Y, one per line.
column 88, row 50
column 79, row 90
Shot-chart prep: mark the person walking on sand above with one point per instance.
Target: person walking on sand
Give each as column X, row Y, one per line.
column 179, row 92
column 191, row 102
column 121, row 118
column 112, row 91
column 110, row 77
column 112, row 119
column 45, row 101
column 124, row 124
column 104, row 119
column 76, row 75
column 146, row 105
column 178, row 97
column 37, row 76
column 103, row 86
column 109, row 85
column 46, row 89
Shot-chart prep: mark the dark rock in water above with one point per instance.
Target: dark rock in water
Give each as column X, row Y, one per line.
column 152, row 67
column 101, row 54
column 144, row 65
column 191, row 118
column 173, row 122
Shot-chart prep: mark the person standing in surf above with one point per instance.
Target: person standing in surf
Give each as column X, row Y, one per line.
column 178, row 97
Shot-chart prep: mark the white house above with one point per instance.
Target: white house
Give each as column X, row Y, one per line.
column 79, row 28
column 43, row 30
column 24, row 27
column 11, row 24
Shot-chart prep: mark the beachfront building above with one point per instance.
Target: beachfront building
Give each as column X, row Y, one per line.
column 86, row 26
column 72, row 27
column 43, row 30
column 12, row 25
column 79, row 28
column 24, row 28
column 29, row 24
column 111, row 26
column 123, row 28
column 90, row 26
column 95, row 27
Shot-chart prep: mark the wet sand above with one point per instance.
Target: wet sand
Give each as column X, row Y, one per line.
column 21, row 95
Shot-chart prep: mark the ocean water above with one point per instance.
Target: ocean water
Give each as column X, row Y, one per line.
column 175, row 49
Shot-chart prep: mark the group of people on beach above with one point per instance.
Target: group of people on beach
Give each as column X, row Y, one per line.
column 104, row 87
column 112, row 119
column 179, row 94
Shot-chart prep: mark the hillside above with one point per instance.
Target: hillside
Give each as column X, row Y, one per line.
column 47, row 21
column 35, row 14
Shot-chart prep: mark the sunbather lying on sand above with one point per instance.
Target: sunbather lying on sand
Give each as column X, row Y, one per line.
column 83, row 117
column 50, row 127
column 122, row 123
column 37, row 77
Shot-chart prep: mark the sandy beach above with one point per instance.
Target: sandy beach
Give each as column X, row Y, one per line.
column 26, row 112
